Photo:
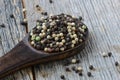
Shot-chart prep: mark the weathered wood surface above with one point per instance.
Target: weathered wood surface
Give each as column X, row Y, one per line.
column 102, row 18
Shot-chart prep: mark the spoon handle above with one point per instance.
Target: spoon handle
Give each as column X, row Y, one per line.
column 16, row 58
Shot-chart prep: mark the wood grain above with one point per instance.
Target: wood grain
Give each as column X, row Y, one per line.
column 12, row 33
column 102, row 18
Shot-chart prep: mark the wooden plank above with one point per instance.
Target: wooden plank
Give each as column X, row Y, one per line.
column 102, row 18
column 12, row 33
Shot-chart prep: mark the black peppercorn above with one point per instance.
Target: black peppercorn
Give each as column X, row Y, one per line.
column 66, row 62
column 59, row 29
column 91, row 67
column 44, row 13
column 89, row 74
column 80, row 18
column 50, row 1
column 37, row 6
column 11, row 16
column 109, row 54
column 23, row 23
column 116, row 63
column 76, row 70
column 73, row 68
column 37, row 46
column 68, row 70
column 80, row 73
column 62, row 77
column 77, row 61
column 2, row 25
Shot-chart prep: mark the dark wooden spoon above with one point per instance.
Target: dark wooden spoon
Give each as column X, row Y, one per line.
column 24, row 55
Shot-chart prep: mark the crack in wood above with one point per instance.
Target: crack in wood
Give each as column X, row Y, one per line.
column 24, row 15
column 26, row 26
column 33, row 73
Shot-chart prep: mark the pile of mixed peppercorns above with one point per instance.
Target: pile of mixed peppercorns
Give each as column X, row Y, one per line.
column 58, row 33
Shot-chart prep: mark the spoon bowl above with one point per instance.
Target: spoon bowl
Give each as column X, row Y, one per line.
column 24, row 55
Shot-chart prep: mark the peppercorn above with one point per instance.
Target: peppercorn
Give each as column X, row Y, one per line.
column 62, row 49
column 50, row 1
column 45, row 49
column 80, row 69
column 37, row 38
column 23, row 23
column 23, row 9
column 91, row 67
column 89, row 74
column 73, row 61
column 77, row 61
column 68, row 70
column 32, row 42
column 25, row 20
column 37, row 6
column 84, row 27
column 76, row 71
column 80, row 18
column 37, row 46
column 62, row 77
column 44, row 13
column 72, row 45
column 73, row 68
column 116, row 63
column 2, row 25
column 80, row 73
column 60, row 29
column 104, row 54
column 11, row 16
column 33, row 37
column 109, row 54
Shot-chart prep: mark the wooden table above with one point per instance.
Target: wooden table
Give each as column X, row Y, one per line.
column 102, row 18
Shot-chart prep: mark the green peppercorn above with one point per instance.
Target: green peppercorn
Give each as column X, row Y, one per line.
column 37, row 38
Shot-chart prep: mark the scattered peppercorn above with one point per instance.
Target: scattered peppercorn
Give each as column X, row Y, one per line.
column 23, row 23
column 89, row 74
column 77, row 61
column 73, row 68
column 80, row 18
column 80, row 69
column 68, row 70
column 91, row 67
column 116, row 63
column 37, row 6
column 44, row 13
column 76, row 70
column 2, row 25
column 11, row 16
column 73, row 61
column 66, row 62
column 25, row 20
column 109, row 54
column 23, row 9
column 50, row 1
column 62, row 77
column 104, row 54
column 80, row 73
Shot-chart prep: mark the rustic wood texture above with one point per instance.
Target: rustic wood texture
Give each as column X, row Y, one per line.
column 102, row 18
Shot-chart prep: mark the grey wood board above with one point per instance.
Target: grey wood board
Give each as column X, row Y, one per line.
column 102, row 18
column 12, row 33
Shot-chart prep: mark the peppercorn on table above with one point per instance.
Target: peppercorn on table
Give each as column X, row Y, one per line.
column 100, row 60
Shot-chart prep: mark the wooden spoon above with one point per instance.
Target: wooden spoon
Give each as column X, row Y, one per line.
column 24, row 55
